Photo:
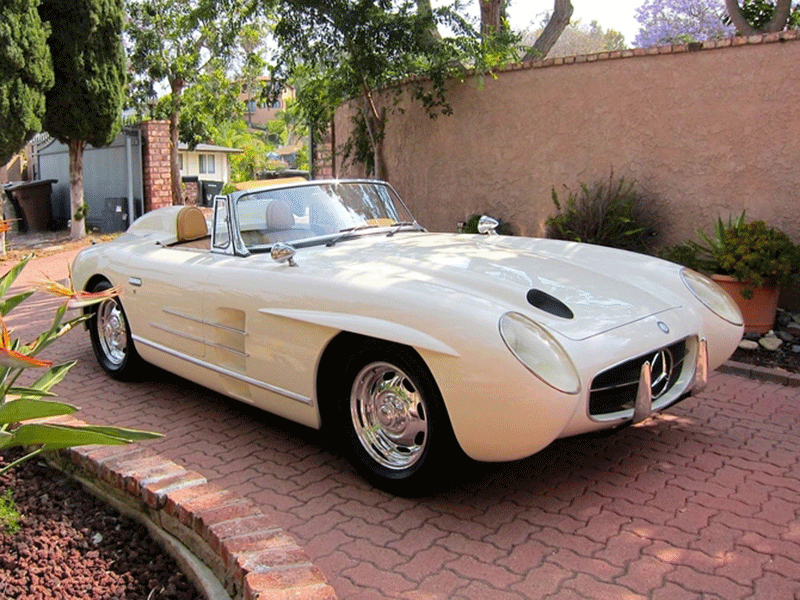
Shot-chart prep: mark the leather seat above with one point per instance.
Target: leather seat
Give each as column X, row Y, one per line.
column 280, row 224
column 191, row 227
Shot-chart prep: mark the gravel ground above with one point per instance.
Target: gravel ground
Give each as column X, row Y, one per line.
column 784, row 358
column 71, row 546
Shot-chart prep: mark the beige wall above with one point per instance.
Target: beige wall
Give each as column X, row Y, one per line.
column 707, row 132
column 191, row 165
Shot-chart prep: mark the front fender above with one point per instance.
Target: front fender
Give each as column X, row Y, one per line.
column 367, row 326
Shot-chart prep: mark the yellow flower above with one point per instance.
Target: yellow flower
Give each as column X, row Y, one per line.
column 77, row 299
column 14, row 360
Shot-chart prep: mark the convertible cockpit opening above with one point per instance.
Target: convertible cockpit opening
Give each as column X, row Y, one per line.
column 310, row 214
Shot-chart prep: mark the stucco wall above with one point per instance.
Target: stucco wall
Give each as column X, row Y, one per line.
column 705, row 131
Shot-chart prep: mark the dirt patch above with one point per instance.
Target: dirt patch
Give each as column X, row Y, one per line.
column 19, row 246
column 71, row 546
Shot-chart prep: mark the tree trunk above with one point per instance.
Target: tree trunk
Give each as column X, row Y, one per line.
column 375, row 122
column 777, row 23
column 432, row 36
column 562, row 12
column 77, row 228
column 491, row 15
column 333, row 149
column 176, row 86
column 381, row 171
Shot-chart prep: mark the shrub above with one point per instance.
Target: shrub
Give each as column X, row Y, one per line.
column 610, row 213
column 753, row 253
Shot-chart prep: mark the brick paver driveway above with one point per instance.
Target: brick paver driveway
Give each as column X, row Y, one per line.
column 700, row 503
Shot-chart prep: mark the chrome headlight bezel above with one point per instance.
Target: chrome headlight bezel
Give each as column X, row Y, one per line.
column 712, row 296
column 539, row 352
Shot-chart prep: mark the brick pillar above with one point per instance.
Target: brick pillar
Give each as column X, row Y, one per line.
column 156, row 165
column 191, row 190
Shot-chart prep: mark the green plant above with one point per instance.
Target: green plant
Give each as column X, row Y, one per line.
column 610, row 213
column 753, row 253
column 23, row 405
column 81, row 212
column 9, row 515
column 684, row 254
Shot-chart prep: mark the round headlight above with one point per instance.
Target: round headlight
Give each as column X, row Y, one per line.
column 714, row 297
column 540, row 352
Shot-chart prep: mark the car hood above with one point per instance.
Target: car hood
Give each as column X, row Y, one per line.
column 604, row 288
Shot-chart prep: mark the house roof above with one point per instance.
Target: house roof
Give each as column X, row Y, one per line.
column 208, row 148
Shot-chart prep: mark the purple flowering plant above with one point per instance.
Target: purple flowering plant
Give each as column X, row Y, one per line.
column 681, row 22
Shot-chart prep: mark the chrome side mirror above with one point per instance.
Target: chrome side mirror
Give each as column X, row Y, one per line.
column 487, row 225
column 283, row 253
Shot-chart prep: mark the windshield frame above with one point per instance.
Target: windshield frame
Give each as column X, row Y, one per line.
column 327, row 238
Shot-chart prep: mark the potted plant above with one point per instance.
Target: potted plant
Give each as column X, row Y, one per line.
column 751, row 261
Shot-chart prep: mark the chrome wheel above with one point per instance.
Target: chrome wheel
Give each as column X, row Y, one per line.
column 389, row 416
column 112, row 332
column 111, row 337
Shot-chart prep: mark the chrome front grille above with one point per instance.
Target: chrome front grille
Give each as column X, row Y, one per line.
column 614, row 390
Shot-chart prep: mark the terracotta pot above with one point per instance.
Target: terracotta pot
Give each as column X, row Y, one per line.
column 759, row 311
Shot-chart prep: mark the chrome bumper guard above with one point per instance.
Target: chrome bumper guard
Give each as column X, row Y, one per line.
column 644, row 392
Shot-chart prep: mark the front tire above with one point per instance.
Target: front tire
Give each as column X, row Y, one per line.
column 111, row 337
column 398, row 434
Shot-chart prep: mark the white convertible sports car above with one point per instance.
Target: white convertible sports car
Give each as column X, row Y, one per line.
column 325, row 302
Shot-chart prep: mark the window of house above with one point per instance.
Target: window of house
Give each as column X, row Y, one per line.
column 180, row 162
column 207, row 164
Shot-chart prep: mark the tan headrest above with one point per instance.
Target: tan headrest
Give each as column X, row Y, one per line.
column 279, row 216
column 191, row 224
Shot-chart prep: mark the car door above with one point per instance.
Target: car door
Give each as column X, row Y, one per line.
column 252, row 355
column 167, row 305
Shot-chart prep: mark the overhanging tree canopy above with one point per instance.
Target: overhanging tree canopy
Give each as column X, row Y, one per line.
column 333, row 50
column 85, row 103
column 26, row 73
column 175, row 43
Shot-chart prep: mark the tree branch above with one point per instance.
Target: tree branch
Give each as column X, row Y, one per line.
column 778, row 21
column 562, row 12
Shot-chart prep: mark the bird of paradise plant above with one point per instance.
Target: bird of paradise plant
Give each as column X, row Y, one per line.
column 20, row 404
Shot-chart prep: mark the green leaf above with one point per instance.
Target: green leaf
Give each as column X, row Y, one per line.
column 54, row 437
column 9, row 304
column 53, row 375
column 27, row 392
column 123, row 433
column 25, row 409
column 8, row 279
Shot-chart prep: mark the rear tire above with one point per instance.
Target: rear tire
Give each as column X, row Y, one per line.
column 111, row 337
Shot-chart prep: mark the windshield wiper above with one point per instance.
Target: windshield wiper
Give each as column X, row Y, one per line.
column 348, row 232
column 400, row 224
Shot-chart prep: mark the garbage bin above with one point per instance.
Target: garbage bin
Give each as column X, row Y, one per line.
column 208, row 190
column 33, row 200
column 114, row 216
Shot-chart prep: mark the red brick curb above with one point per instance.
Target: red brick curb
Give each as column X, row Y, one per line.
column 250, row 555
column 766, row 374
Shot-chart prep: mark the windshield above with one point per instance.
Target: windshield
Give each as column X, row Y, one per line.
column 318, row 211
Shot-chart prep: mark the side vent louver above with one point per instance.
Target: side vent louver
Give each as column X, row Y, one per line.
column 549, row 304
